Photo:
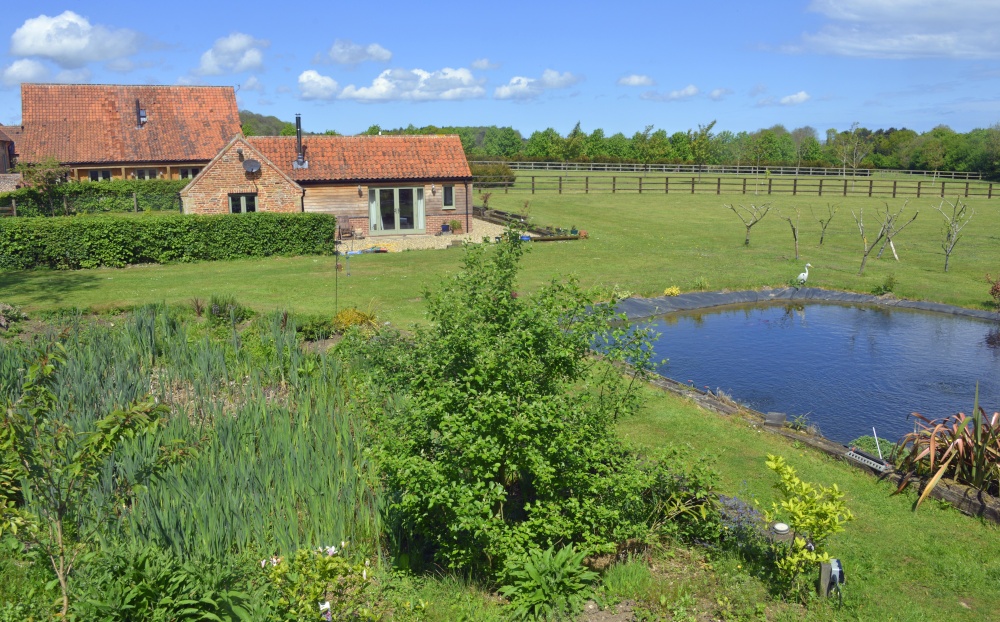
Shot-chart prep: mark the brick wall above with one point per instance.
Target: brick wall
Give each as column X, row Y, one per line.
column 209, row 193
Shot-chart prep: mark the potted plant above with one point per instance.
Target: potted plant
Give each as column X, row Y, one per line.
column 456, row 225
column 573, row 230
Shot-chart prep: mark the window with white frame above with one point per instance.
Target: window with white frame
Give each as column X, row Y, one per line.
column 448, row 197
column 144, row 173
column 190, row 173
column 243, row 203
column 100, row 175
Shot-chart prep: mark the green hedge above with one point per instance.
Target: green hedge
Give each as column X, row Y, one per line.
column 92, row 241
column 119, row 195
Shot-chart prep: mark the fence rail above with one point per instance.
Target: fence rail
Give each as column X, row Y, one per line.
column 841, row 187
column 719, row 169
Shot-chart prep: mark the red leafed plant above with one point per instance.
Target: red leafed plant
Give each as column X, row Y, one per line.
column 966, row 448
column 994, row 290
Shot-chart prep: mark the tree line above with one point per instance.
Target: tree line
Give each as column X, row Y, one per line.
column 939, row 149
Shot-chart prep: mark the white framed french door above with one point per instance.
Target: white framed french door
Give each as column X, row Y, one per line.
column 396, row 210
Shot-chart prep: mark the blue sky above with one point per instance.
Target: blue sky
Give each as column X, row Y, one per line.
column 532, row 65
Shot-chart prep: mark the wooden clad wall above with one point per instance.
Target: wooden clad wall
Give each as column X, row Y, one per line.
column 341, row 200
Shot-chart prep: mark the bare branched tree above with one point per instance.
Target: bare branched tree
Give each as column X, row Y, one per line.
column 825, row 222
column 960, row 216
column 750, row 216
column 794, row 224
column 888, row 228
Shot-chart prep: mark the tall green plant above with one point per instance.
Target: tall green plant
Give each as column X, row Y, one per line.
column 547, row 585
column 507, row 441
column 49, row 468
column 813, row 512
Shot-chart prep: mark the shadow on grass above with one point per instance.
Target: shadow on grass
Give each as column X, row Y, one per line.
column 43, row 286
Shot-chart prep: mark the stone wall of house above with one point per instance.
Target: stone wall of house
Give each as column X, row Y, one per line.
column 225, row 175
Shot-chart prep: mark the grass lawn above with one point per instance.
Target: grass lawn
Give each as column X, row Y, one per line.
column 640, row 244
column 933, row 564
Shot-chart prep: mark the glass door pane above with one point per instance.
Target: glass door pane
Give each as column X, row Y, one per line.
column 407, row 214
column 387, row 208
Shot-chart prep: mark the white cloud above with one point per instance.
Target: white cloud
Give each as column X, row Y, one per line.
column 792, row 100
column 24, row 70
column 521, row 87
column 346, row 52
column 636, row 80
column 900, row 29
column 252, row 84
column 71, row 41
column 687, row 92
column 312, row 85
column 73, row 76
column 233, row 54
column 484, row 64
column 719, row 94
column 418, row 85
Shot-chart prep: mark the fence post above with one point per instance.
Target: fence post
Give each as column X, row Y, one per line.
column 894, row 188
column 614, row 183
column 560, row 184
column 718, row 185
column 532, row 184
column 989, row 193
column 845, row 186
column 769, row 180
column 942, row 189
column 666, row 185
column 871, row 184
column 586, row 184
column 135, row 201
column 13, row 202
column 795, row 186
column 640, row 185
column 966, row 190
column 65, row 206
column 744, row 185
column 918, row 188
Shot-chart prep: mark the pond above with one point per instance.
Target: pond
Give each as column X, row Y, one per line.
column 846, row 368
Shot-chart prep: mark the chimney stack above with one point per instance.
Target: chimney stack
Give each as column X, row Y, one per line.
column 300, row 156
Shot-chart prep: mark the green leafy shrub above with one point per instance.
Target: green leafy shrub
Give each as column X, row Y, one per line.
column 224, row 309
column 492, row 174
column 885, row 287
column 119, row 195
column 9, row 315
column 814, row 513
column 321, row 585
column 314, row 327
column 545, row 585
column 131, row 582
column 507, row 440
column 117, row 241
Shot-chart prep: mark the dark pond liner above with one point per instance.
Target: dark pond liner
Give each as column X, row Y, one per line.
column 641, row 308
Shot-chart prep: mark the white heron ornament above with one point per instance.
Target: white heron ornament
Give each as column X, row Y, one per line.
column 805, row 275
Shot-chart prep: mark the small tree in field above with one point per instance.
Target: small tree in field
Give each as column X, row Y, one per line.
column 750, row 216
column 831, row 210
column 888, row 228
column 954, row 223
column 47, row 468
column 794, row 224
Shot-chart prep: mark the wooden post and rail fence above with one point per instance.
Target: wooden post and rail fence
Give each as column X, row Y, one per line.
column 768, row 185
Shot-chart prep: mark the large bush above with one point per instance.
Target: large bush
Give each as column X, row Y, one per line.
column 507, row 442
column 492, row 174
column 119, row 195
column 117, row 241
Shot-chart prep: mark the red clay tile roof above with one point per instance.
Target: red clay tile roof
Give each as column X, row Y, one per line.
column 3, row 136
column 368, row 158
column 94, row 123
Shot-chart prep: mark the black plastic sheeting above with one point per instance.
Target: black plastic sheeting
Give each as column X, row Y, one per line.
column 641, row 308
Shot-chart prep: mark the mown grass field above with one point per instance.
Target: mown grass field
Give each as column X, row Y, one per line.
column 901, row 565
column 640, row 244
